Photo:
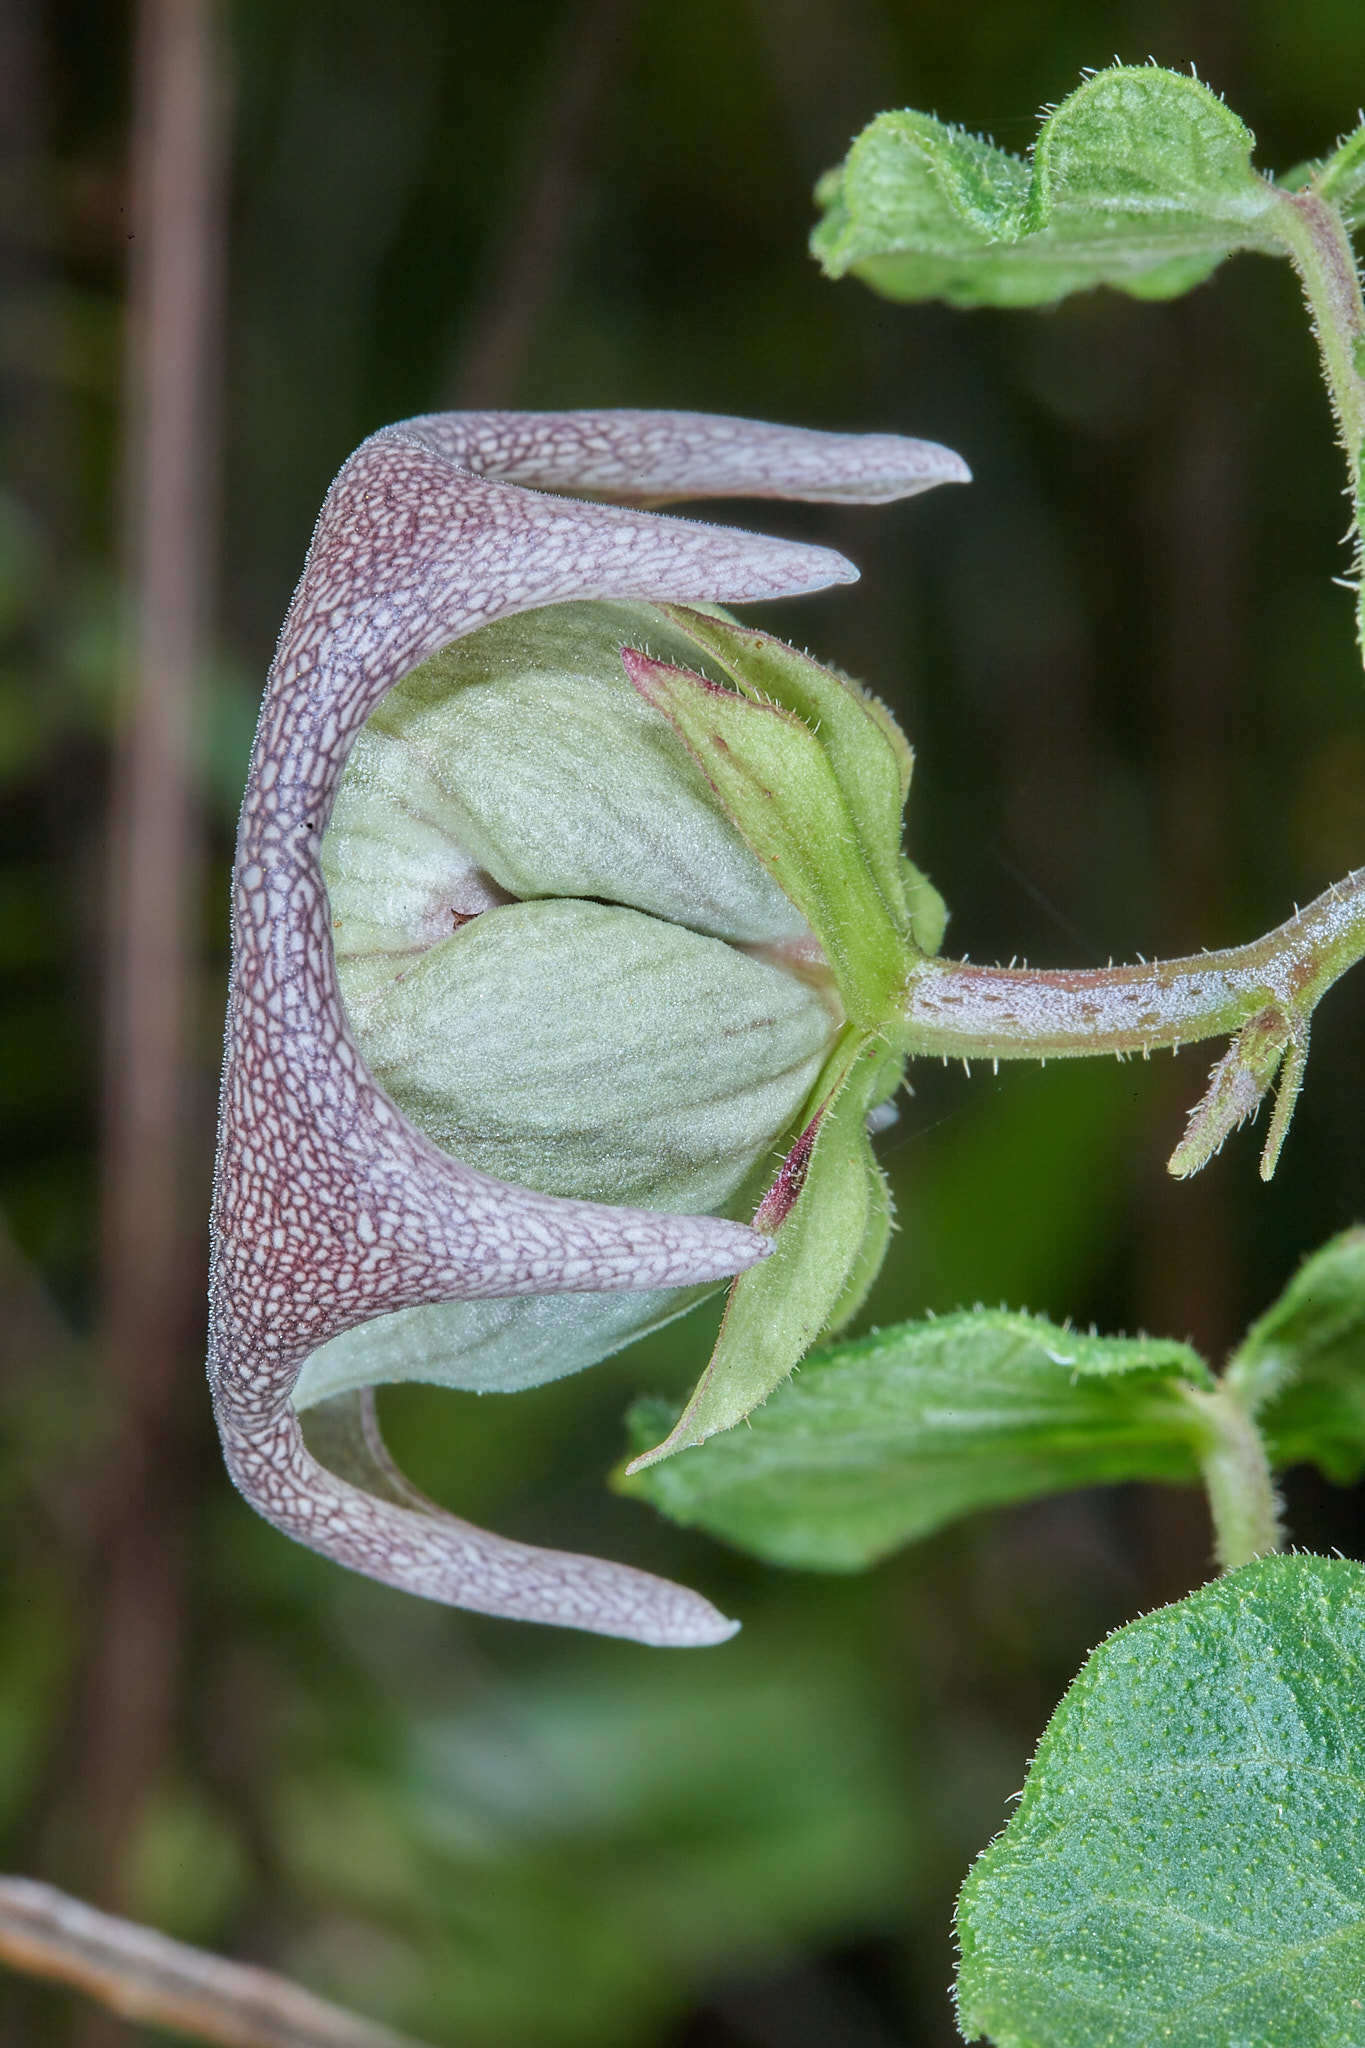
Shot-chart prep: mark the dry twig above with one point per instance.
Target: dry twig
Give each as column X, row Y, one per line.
column 146, row 1976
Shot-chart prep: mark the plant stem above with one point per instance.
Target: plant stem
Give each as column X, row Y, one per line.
column 1320, row 245
column 1242, row 1498
column 147, row 1977
column 962, row 1011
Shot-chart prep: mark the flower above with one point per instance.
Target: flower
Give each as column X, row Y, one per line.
column 332, row 1208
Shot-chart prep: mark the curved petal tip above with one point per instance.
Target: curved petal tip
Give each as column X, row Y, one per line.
column 891, row 466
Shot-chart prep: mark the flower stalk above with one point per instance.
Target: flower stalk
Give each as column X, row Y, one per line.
column 1261, row 995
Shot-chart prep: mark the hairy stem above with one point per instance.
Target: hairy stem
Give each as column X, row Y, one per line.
column 1242, row 1499
column 1320, row 245
column 963, row 1011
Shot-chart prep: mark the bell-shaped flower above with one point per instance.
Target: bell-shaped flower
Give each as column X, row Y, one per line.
column 552, row 947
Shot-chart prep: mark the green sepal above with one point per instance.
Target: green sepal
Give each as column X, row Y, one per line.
column 1301, row 1367
column 1184, row 1865
column 828, row 1211
column 1141, row 179
column 928, row 911
column 870, row 758
column 877, row 1442
column 775, row 779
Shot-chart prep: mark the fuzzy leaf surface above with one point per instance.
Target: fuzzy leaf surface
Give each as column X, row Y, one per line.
column 1140, row 179
column 1305, row 1358
column 1187, row 1861
column 881, row 1440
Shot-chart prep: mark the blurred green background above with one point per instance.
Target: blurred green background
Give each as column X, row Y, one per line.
column 1140, row 727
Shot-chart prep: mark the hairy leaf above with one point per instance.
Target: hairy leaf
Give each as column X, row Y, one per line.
column 1141, row 179
column 1187, row 1862
column 1303, row 1364
column 878, row 1441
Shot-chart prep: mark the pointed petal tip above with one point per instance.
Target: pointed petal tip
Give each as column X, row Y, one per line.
column 686, row 1622
column 764, row 567
column 717, row 1249
column 892, row 466
column 720, row 1630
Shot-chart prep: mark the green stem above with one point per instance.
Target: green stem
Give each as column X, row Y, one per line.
column 1242, row 1499
column 962, row 1011
column 1261, row 996
column 1317, row 239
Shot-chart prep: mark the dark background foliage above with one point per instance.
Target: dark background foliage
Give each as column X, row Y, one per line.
column 1139, row 723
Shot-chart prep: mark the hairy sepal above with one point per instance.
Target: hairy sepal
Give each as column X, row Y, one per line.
column 776, row 781
column 829, row 1213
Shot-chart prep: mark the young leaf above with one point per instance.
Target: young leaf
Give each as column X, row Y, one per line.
column 1141, row 179
column 829, row 1210
column 1303, row 1364
column 881, row 1440
column 1185, row 1865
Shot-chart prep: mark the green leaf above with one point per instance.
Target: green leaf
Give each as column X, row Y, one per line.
column 1302, row 1366
column 1187, row 1862
column 775, row 779
column 830, row 1211
column 1141, row 179
column 879, row 1441
column 870, row 758
column 1342, row 178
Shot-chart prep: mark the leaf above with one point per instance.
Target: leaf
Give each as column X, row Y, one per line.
column 879, row 1441
column 1141, row 179
column 775, row 779
column 829, row 1208
column 1303, row 1364
column 1187, row 1862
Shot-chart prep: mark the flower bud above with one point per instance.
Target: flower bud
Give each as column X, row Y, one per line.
column 336, row 1221
column 548, row 936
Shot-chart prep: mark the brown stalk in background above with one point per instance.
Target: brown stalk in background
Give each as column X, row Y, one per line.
column 152, row 1254
column 147, row 1977
column 547, row 198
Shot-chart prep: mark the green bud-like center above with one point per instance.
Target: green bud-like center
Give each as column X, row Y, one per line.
column 565, row 963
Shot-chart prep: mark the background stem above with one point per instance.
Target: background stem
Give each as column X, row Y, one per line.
column 146, row 1976
column 152, row 1198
